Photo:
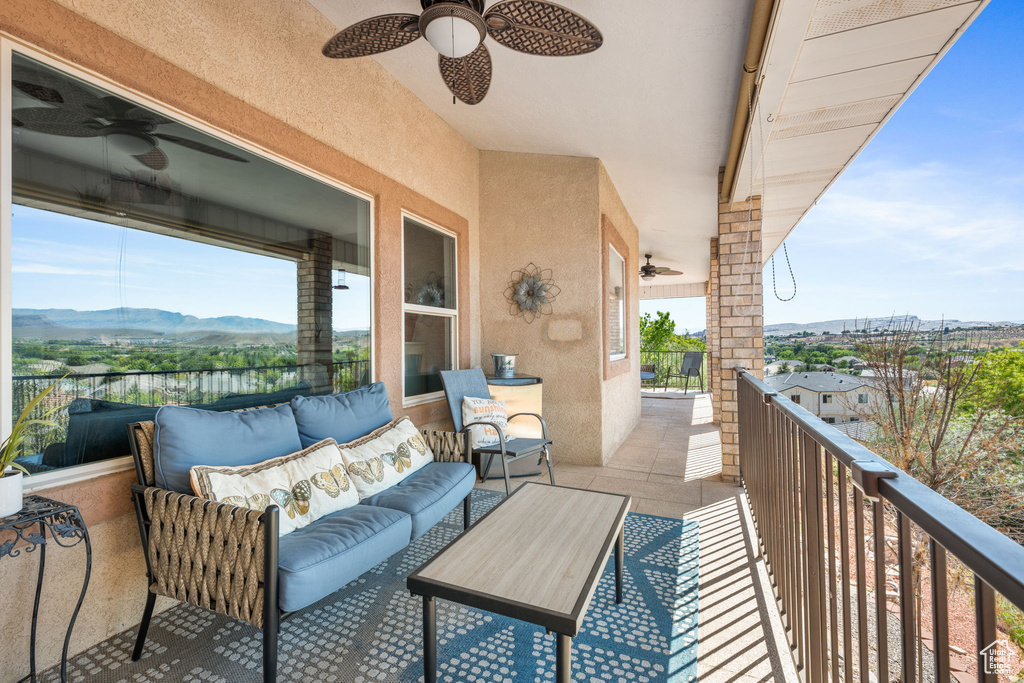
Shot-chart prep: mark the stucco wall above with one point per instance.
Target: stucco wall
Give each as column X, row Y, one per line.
column 548, row 210
column 621, row 392
column 544, row 209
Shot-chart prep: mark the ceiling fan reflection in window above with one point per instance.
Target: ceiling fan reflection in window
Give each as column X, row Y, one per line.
column 457, row 28
column 648, row 271
column 70, row 110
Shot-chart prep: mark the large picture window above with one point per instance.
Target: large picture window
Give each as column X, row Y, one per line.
column 430, row 308
column 154, row 263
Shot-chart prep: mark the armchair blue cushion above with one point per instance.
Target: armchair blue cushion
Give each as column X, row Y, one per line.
column 187, row 436
column 428, row 494
column 342, row 417
column 318, row 559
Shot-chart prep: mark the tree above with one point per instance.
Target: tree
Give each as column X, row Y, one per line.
column 999, row 382
column 784, row 368
column 947, row 433
column 656, row 333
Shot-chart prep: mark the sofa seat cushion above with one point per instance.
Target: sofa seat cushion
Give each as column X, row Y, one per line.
column 428, row 494
column 186, row 437
column 342, row 417
column 318, row 559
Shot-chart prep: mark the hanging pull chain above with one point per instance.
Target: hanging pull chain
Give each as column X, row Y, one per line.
column 775, row 285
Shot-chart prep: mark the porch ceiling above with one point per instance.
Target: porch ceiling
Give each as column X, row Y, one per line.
column 655, row 104
column 833, row 74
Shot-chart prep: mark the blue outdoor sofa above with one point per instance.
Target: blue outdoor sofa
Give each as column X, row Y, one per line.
column 230, row 559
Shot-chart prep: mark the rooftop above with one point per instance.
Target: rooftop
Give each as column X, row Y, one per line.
column 816, row 381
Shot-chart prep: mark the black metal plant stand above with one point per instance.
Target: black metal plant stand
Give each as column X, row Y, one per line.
column 67, row 530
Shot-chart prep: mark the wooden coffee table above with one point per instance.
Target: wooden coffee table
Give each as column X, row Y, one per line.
column 536, row 556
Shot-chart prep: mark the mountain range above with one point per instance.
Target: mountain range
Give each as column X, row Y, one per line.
column 837, row 326
column 148, row 319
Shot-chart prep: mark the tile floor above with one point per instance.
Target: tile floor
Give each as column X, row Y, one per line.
column 671, row 466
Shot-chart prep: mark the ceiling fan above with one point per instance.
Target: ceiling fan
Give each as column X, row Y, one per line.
column 76, row 112
column 457, row 28
column 649, row 272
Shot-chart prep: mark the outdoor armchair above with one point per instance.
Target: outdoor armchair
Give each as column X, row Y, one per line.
column 458, row 384
column 693, row 363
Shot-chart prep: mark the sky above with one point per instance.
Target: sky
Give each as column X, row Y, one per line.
column 929, row 219
column 60, row 261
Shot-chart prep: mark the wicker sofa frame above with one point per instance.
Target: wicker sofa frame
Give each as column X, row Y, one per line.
column 218, row 556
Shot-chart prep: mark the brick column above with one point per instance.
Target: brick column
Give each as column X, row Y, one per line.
column 712, row 334
column 315, row 296
column 740, row 325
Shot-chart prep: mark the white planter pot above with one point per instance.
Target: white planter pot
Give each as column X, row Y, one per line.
column 11, row 489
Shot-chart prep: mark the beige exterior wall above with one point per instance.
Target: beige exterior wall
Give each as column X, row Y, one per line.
column 844, row 405
column 547, row 210
column 620, row 393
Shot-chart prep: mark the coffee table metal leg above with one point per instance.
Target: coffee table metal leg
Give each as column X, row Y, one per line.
column 618, row 566
column 563, row 673
column 429, row 640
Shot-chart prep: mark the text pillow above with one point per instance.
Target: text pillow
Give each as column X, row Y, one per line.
column 306, row 485
column 484, row 410
column 385, row 456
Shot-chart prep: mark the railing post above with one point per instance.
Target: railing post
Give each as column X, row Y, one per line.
column 814, row 557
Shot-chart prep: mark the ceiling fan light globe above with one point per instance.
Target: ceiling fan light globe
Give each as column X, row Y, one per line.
column 453, row 30
column 130, row 142
column 647, row 275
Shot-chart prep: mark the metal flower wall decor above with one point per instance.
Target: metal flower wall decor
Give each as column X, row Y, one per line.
column 531, row 292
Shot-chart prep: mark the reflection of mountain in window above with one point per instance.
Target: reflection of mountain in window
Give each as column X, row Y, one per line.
column 159, row 264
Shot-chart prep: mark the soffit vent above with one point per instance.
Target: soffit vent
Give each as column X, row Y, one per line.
column 833, row 118
column 833, row 16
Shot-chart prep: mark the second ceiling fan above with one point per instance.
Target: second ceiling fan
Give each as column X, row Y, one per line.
column 457, row 28
column 649, row 271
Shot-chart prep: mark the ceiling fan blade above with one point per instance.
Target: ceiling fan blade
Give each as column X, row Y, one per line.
column 49, row 88
column 40, row 92
column 200, row 147
column 469, row 77
column 669, row 271
column 373, row 36
column 542, row 28
column 154, row 159
column 54, row 121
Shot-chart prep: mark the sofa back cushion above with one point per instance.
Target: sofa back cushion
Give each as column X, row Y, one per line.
column 186, row 437
column 385, row 456
column 306, row 485
column 342, row 417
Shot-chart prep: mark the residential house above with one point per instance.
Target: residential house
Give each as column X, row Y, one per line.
column 835, row 398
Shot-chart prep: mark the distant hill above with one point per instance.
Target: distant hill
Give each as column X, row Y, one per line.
column 33, row 321
column 837, row 326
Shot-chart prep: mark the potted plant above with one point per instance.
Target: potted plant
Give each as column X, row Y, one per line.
column 11, row 473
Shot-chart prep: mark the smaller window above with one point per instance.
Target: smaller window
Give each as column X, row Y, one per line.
column 431, row 316
column 826, row 398
column 616, row 305
column 854, row 419
column 862, row 398
column 795, row 398
column 829, row 420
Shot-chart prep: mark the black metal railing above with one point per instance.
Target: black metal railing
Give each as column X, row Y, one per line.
column 666, row 363
column 172, row 387
column 813, row 494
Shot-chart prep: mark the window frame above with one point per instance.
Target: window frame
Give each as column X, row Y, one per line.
column 613, row 357
column 8, row 47
column 451, row 314
column 862, row 398
column 826, row 398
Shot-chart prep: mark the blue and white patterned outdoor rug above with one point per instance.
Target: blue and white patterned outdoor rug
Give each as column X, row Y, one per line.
column 371, row 630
